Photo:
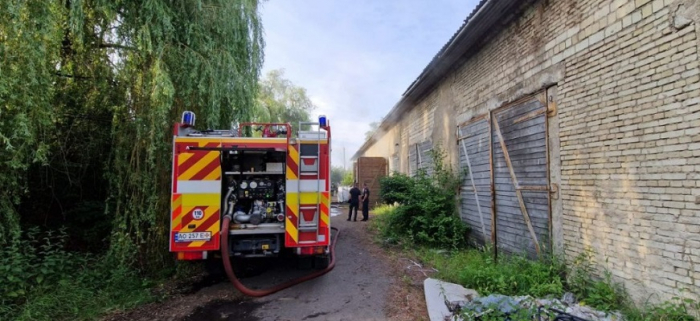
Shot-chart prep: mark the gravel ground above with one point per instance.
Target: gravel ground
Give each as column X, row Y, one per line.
column 367, row 283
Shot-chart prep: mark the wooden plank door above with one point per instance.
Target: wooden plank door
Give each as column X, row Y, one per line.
column 412, row 160
column 475, row 193
column 521, row 178
column 425, row 159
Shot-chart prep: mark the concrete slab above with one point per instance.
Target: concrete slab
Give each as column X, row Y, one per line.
column 438, row 294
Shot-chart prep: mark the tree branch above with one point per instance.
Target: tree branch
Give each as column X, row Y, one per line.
column 72, row 76
column 116, row 46
column 59, row 74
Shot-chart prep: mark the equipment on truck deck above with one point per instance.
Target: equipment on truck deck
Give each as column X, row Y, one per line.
column 273, row 188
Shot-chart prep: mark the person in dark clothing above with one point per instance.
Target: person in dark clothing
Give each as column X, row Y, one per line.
column 365, row 202
column 354, row 201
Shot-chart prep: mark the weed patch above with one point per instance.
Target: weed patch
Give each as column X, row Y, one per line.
column 422, row 219
column 515, row 275
column 675, row 310
column 550, row 277
column 42, row 281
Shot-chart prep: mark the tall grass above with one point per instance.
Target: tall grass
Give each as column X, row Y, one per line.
column 423, row 221
column 42, row 281
column 516, row 275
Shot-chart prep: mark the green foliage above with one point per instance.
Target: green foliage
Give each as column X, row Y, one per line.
column 41, row 281
column 348, row 179
column 492, row 312
column 516, row 275
column 607, row 295
column 279, row 100
column 30, row 34
column 382, row 215
column 89, row 91
column 338, row 174
column 383, row 210
column 396, row 188
column 579, row 274
column 675, row 310
column 512, row 275
column 426, row 213
column 130, row 68
column 30, row 262
column 602, row 294
column 192, row 55
column 423, row 214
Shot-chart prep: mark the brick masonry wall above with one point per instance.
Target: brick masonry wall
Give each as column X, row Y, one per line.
column 370, row 171
column 630, row 149
column 416, row 127
column 627, row 87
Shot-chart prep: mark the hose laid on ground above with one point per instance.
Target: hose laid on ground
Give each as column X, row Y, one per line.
column 258, row 293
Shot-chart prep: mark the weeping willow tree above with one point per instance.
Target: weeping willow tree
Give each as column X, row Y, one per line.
column 119, row 73
column 279, row 100
column 203, row 56
column 30, row 33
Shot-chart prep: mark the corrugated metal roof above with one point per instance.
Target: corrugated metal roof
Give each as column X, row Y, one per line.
column 486, row 14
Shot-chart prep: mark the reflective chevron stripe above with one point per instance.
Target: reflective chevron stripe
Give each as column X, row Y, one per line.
column 196, row 200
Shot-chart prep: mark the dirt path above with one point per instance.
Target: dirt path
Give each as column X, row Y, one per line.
column 368, row 283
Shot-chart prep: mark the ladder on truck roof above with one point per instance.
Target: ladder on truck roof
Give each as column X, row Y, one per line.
column 309, row 165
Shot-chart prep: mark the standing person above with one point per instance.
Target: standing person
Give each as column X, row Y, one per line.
column 354, row 200
column 365, row 202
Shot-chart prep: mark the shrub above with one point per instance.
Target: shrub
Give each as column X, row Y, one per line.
column 395, row 188
column 30, row 262
column 43, row 281
column 426, row 210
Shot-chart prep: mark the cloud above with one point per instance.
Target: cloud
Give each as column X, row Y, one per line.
column 356, row 57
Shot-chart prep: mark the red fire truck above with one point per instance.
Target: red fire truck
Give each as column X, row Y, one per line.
column 269, row 189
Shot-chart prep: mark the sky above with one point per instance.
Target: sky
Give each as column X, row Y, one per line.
column 356, row 57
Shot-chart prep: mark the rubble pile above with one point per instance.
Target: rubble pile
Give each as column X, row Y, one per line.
column 454, row 302
column 528, row 307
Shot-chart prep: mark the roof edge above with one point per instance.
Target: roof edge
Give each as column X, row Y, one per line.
column 441, row 62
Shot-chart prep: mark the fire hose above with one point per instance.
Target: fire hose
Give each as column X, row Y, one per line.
column 259, row 293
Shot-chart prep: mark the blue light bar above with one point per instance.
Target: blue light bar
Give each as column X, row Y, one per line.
column 322, row 120
column 188, row 119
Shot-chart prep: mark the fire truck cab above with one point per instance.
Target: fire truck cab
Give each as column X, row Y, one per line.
column 274, row 186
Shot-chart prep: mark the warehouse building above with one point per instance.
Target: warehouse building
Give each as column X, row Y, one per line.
column 578, row 122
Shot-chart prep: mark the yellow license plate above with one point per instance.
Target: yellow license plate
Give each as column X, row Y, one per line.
column 265, row 246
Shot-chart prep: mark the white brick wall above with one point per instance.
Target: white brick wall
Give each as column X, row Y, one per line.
column 628, row 99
